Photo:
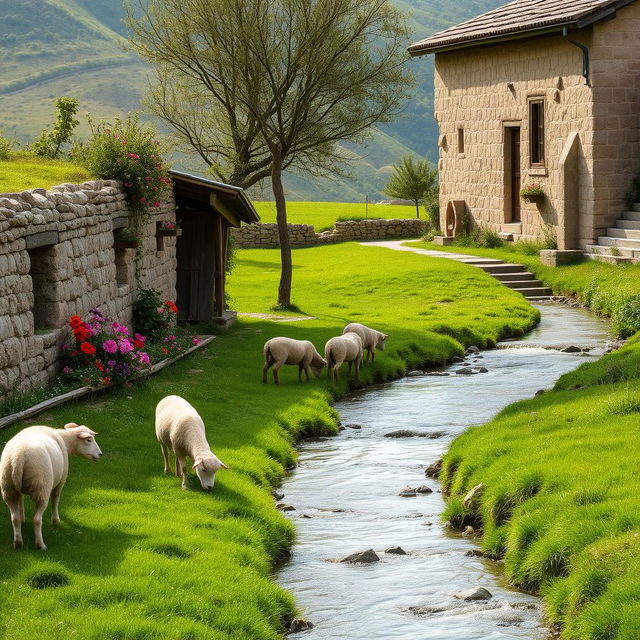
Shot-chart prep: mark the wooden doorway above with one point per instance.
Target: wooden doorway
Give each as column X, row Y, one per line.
column 512, row 163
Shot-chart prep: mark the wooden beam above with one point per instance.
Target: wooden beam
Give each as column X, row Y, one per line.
column 223, row 209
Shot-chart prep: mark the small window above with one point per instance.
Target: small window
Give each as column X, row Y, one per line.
column 46, row 305
column 124, row 254
column 536, row 132
column 460, row 140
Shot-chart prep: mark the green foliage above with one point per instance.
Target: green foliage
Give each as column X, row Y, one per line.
column 413, row 179
column 153, row 316
column 626, row 316
column 129, row 151
column 6, row 146
column 432, row 208
column 532, row 189
column 49, row 143
column 481, row 236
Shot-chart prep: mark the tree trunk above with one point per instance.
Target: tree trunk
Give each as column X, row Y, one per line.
column 417, row 209
column 284, row 289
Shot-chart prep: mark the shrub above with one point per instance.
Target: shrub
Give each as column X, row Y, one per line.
column 128, row 151
column 481, row 236
column 103, row 352
column 432, row 208
column 152, row 316
column 5, row 146
column 49, row 143
column 626, row 316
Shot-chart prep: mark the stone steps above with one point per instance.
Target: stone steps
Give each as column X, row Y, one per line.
column 502, row 267
column 512, row 277
column 622, row 242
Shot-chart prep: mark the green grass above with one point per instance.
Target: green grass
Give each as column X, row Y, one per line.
column 562, row 496
column 323, row 215
column 27, row 171
column 610, row 289
column 137, row 558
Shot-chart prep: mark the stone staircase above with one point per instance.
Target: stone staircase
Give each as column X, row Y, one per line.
column 515, row 277
column 622, row 242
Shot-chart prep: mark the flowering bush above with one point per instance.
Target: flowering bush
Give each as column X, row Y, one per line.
column 153, row 316
column 103, row 351
column 128, row 151
column 533, row 189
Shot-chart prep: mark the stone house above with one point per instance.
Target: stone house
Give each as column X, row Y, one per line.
column 62, row 253
column 546, row 92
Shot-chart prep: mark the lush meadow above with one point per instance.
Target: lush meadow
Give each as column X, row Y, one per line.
column 137, row 558
column 323, row 215
column 27, row 171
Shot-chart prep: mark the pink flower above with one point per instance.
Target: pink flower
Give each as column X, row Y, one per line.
column 197, row 340
column 119, row 328
column 140, row 337
column 144, row 358
column 156, row 204
column 143, row 199
column 133, row 156
column 67, row 370
column 110, row 346
column 111, row 363
column 125, row 345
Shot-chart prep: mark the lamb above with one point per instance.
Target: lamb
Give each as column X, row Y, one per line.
column 344, row 348
column 180, row 428
column 35, row 462
column 371, row 339
column 279, row 351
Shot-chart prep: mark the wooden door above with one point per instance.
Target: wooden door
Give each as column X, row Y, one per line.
column 515, row 178
column 196, row 257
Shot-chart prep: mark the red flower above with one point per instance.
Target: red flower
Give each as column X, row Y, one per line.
column 165, row 350
column 80, row 333
column 88, row 348
column 106, row 380
column 75, row 321
column 74, row 353
column 172, row 306
column 138, row 344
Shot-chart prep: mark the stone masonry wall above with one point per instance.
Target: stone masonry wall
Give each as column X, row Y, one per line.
column 483, row 91
column 265, row 236
column 57, row 259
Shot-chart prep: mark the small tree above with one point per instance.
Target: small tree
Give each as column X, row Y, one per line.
column 412, row 180
column 49, row 143
column 255, row 87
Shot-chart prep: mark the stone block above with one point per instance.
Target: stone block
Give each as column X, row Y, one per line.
column 556, row 258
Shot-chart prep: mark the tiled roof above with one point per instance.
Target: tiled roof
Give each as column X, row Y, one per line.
column 517, row 17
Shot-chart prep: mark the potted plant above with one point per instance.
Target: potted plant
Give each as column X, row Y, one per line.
column 532, row 193
column 125, row 238
column 167, row 228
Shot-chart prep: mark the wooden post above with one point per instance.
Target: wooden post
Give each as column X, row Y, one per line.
column 220, row 234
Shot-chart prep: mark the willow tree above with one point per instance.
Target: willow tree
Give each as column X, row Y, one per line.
column 255, row 87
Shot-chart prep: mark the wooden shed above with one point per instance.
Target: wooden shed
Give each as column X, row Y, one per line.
column 205, row 211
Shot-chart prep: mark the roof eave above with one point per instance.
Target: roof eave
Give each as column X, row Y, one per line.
column 416, row 51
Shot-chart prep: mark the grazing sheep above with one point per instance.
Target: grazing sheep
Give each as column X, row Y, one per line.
column 279, row 351
column 371, row 339
column 344, row 348
column 35, row 462
column 180, row 428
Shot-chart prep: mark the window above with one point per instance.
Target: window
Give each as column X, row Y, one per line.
column 46, row 307
column 460, row 140
column 536, row 132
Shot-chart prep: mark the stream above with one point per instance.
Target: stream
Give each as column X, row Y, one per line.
column 345, row 493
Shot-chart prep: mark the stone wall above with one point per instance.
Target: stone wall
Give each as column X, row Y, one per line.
column 265, row 236
column 57, row 259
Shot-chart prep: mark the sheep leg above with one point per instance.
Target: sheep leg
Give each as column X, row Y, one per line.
column 276, row 369
column 371, row 352
column 265, row 371
column 21, row 504
column 350, row 363
column 16, row 521
column 55, row 501
column 300, row 367
column 41, row 505
column 165, row 456
column 183, row 472
column 307, row 371
column 358, row 363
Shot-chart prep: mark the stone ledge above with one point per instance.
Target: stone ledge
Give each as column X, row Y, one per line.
column 557, row 257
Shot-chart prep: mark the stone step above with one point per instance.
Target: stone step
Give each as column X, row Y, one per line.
column 629, row 224
column 534, row 292
column 598, row 249
column 522, row 284
column 608, row 241
column 505, row 267
column 631, row 215
column 539, row 298
column 630, row 234
column 511, row 277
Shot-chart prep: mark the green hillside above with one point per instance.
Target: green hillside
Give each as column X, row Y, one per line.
column 81, row 52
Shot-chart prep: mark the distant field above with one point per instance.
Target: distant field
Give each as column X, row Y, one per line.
column 323, row 215
column 27, row 171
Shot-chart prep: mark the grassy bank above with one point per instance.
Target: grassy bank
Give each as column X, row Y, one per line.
column 562, row 496
column 27, row 171
column 611, row 289
column 137, row 558
column 323, row 215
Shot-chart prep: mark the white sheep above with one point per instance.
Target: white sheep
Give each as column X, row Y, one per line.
column 371, row 339
column 180, row 428
column 35, row 462
column 344, row 348
column 279, row 351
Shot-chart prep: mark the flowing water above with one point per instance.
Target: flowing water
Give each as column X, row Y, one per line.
column 345, row 492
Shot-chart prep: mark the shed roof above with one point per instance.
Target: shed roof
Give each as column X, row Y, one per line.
column 232, row 200
column 521, row 18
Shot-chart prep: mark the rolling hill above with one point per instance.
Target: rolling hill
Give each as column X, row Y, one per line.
column 50, row 48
